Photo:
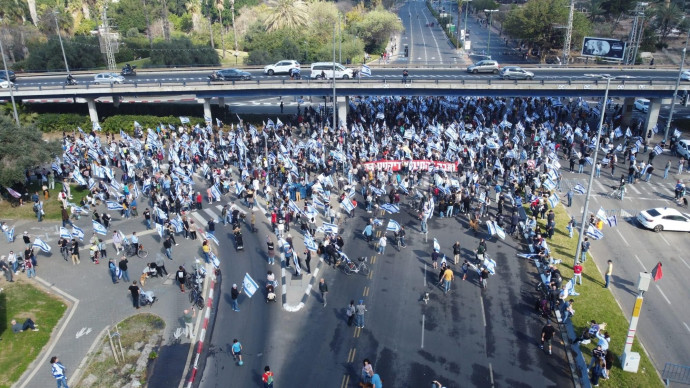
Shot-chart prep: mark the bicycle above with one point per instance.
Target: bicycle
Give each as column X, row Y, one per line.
column 348, row 266
column 196, row 298
column 137, row 250
column 617, row 193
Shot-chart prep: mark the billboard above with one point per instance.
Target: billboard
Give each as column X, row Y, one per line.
column 613, row 49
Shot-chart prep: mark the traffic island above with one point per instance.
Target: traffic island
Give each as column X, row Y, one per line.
column 127, row 353
column 596, row 302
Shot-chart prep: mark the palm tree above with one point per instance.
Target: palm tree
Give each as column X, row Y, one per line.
column 32, row 11
column 290, row 14
column 194, row 8
column 220, row 6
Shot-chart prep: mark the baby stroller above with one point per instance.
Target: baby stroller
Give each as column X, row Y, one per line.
column 270, row 293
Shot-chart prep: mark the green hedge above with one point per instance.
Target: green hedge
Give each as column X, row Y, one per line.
column 68, row 122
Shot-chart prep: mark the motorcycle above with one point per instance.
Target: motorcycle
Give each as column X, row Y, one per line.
column 70, row 81
column 129, row 71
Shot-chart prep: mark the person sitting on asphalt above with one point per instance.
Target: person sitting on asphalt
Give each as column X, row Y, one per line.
column 20, row 327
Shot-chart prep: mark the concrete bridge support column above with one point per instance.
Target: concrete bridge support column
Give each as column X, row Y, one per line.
column 626, row 117
column 221, row 102
column 116, row 101
column 652, row 114
column 207, row 107
column 342, row 109
column 93, row 114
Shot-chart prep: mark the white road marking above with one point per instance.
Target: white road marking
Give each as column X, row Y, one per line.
column 633, row 188
column 662, row 294
column 491, row 374
column 481, row 301
column 622, row 238
column 424, row 275
column 684, row 262
column 666, row 241
column 640, row 261
column 199, row 218
column 686, row 326
column 422, row 331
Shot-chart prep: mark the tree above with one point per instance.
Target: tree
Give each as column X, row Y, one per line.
column 376, row 27
column 666, row 18
column 291, row 14
column 220, row 6
column 181, row 51
column 22, row 148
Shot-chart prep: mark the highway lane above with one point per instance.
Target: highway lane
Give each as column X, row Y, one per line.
column 428, row 45
column 664, row 327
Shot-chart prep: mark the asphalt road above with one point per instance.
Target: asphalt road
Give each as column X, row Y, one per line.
column 664, row 326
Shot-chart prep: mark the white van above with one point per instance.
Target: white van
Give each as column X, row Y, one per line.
column 321, row 70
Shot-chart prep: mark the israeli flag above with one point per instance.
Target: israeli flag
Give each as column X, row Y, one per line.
column 239, row 188
column 159, row 229
column 612, row 221
column 594, row 233
column 319, row 204
column 628, row 133
column 676, row 133
column 579, row 189
column 112, row 205
column 213, row 238
column 64, row 233
column 490, row 265
column 365, row 71
column 10, row 234
column 618, row 133
column 57, row 169
column 79, row 179
column 208, row 120
column 330, row 228
column 378, row 222
column 293, row 206
column 161, row 214
column 99, row 228
column 601, row 214
column 184, row 120
column 437, row 246
column 500, row 232
column 177, row 224
column 214, row 259
column 215, row 192
column 249, row 285
column 309, row 243
column 40, row 244
column 393, row 226
column 116, row 185
column 491, row 228
column 77, row 232
column 554, row 200
column 549, row 184
column 96, row 126
column 391, row 208
column 658, row 150
column 347, row 205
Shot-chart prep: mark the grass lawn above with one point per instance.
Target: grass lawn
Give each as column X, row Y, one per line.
column 230, row 60
column 135, row 332
column 21, row 300
column 598, row 303
column 51, row 206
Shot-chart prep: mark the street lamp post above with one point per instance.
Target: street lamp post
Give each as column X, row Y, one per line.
column 488, row 43
column 9, row 83
column 591, row 174
column 675, row 91
column 62, row 47
column 467, row 8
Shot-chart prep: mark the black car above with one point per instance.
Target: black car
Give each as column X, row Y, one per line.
column 230, row 75
column 13, row 77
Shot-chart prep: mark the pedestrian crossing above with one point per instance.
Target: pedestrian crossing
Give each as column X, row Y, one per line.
column 662, row 189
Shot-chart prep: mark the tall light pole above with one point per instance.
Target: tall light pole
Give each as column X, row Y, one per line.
column 333, row 76
column 568, row 33
column 234, row 29
column 675, row 92
column 467, row 8
column 9, row 83
column 57, row 25
column 594, row 161
column 488, row 43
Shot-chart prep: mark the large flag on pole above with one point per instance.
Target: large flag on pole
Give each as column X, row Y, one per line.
column 249, row 285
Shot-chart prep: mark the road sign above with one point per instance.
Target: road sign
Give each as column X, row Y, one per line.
column 604, row 48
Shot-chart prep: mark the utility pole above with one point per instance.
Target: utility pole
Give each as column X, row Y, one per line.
column 334, row 98
column 234, row 28
column 57, row 25
column 568, row 33
column 467, row 8
column 675, row 91
column 340, row 42
column 636, row 33
column 10, row 86
column 109, row 52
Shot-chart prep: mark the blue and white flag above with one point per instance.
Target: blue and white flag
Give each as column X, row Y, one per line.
column 391, row 208
column 178, row 225
column 184, row 120
column 214, row 259
column 208, row 119
column 77, row 232
column 215, row 192
column 40, row 244
column 99, row 228
column 676, row 133
column 628, row 133
column 594, row 233
column 549, row 184
column 293, row 207
column 64, row 233
column 589, row 160
column 601, row 214
column 437, row 246
column 212, row 237
column 393, row 226
column 618, row 133
column 365, row 71
column 159, row 229
column 239, row 188
column 161, row 214
column 330, row 228
column 10, row 234
column 554, row 200
column 347, row 205
column 491, row 228
column 112, row 205
column 579, row 189
column 309, row 243
column 658, row 150
column 249, row 285
column 378, row 222
column 500, row 232
column 612, row 221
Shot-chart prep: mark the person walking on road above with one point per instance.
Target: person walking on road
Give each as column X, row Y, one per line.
column 271, row 250
column 267, row 377
column 181, row 276
column 456, row 252
column 58, row 370
column 609, row 271
column 447, row 277
column 135, row 290
column 484, row 276
column 123, row 268
column 350, row 313
column 307, row 260
column 382, row 245
column 112, row 267
column 360, row 309
column 234, row 294
column 577, row 273
column 547, row 333
column 237, row 351
column 188, row 317
column 323, row 289
column 585, row 248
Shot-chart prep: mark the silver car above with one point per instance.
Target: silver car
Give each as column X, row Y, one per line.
column 516, row 72
column 108, row 78
column 485, row 66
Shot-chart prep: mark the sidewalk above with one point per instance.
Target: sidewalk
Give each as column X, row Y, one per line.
column 95, row 304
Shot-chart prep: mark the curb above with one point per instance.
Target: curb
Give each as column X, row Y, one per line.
column 202, row 336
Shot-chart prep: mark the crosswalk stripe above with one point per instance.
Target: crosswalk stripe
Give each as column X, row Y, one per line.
column 213, row 215
column 199, row 218
column 633, row 188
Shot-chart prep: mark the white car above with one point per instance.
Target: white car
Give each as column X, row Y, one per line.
column 108, row 78
column 685, row 76
column 5, row 84
column 683, row 148
column 281, row 67
column 642, row 104
column 663, row 218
